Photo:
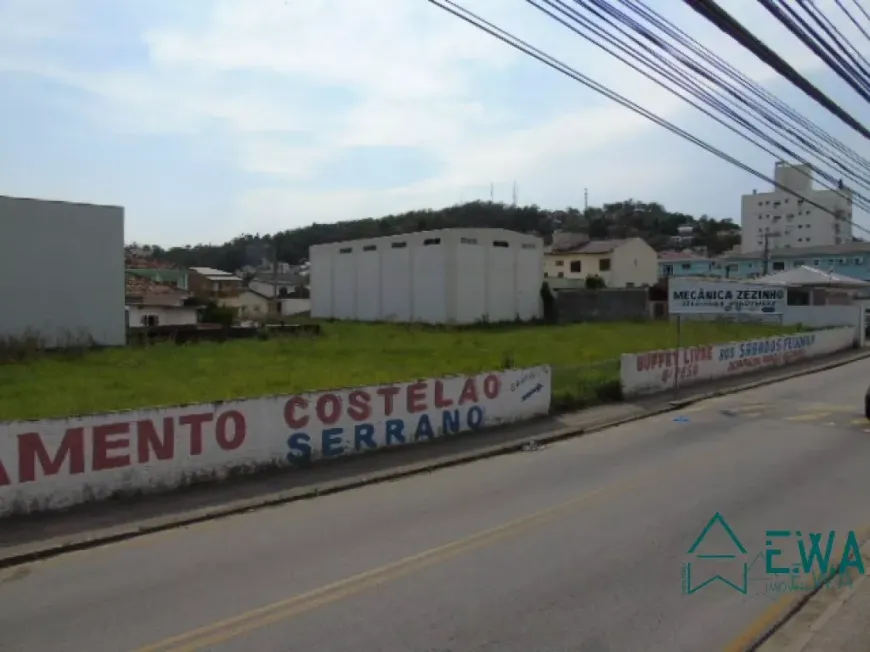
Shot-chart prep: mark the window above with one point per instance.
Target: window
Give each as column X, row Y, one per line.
column 501, row 243
column 561, row 274
column 468, row 240
column 629, row 285
column 529, row 245
column 816, row 262
column 399, row 245
column 345, row 250
column 859, row 261
column 149, row 320
column 370, row 248
column 576, row 267
column 431, row 241
column 685, row 267
column 778, row 267
column 669, row 270
column 842, row 261
column 546, row 275
column 560, row 263
column 604, row 265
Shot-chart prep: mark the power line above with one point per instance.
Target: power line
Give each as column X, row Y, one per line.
column 710, row 10
column 838, row 38
column 851, row 18
column 861, row 9
column 528, row 49
column 702, row 52
column 808, row 36
column 686, row 83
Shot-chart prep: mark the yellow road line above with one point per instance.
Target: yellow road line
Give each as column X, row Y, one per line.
column 235, row 626
column 859, row 422
column 232, row 627
column 774, row 612
column 829, row 407
column 809, row 417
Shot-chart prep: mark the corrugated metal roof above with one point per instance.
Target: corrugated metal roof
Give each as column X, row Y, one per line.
column 807, row 276
column 215, row 274
column 590, row 247
column 806, row 252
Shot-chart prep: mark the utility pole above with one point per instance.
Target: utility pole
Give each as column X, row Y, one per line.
column 491, row 192
column 515, row 194
column 765, row 256
column 276, row 305
column 585, row 199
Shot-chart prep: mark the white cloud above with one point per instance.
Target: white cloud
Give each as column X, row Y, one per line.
column 414, row 76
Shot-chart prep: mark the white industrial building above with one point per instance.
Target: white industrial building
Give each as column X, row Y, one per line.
column 788, row 221
column 457, row 276
column 62, row 271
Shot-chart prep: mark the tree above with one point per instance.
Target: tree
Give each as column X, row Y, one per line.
column 630, row 218
column 595, row 282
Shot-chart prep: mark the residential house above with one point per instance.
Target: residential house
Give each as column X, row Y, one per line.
column 166, row 275
column 684, row 263
column 284, row 285
column 156, row 304
column 253, row 305
column 850, row 259
column 209, row 284
column 620, row 263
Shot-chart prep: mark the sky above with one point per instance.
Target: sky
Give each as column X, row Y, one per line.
column 208, row 119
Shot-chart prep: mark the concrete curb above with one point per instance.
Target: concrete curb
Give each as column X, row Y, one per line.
column 36, row 552
column 800, row 602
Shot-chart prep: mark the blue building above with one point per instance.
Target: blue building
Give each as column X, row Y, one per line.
column 851, row 259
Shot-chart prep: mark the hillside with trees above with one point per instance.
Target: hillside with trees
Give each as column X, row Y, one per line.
column 650, row 221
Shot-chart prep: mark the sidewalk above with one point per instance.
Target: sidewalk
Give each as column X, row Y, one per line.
column 29, row 538
column 833, row 620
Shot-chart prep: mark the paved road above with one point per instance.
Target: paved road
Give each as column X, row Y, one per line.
column 579, row 546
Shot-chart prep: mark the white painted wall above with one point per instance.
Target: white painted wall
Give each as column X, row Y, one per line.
column 252, row 304
column 655, row 371
column 57, row 463
column 165, row 316
column 295, row 306
column 62, row 270
column 447, row 276
column 634, row 264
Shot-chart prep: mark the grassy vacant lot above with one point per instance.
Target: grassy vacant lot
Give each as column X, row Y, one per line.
column 584, row 356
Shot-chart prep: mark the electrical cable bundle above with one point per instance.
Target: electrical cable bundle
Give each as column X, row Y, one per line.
column 680, row 70
column 727, row 99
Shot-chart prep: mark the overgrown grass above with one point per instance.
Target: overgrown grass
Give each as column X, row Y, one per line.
column 584, row 357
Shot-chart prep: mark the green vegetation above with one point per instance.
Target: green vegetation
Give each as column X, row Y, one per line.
column 647, row 220
column 584, row 358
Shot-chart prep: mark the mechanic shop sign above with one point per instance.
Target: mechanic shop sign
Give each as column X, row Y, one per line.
column 693, row 297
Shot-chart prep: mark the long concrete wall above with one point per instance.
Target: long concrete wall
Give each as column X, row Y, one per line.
column 57, row 463
column 660, row 371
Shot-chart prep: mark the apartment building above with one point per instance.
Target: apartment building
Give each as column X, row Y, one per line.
column 788, row 221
